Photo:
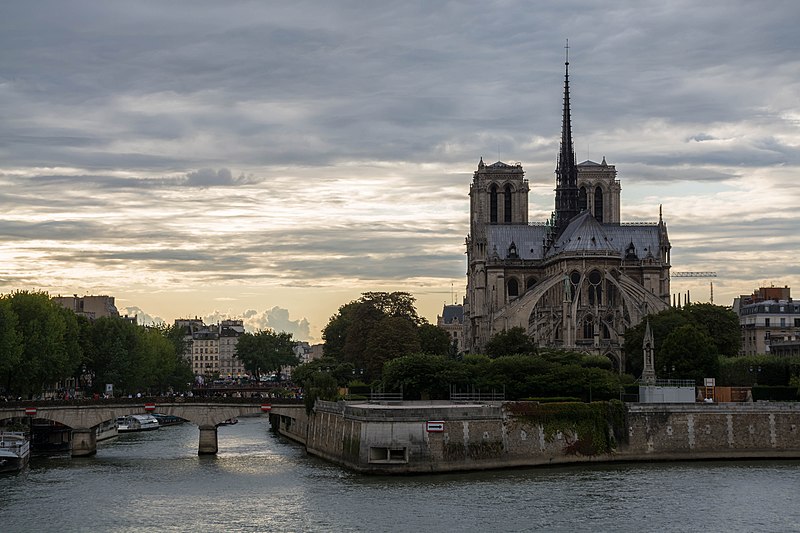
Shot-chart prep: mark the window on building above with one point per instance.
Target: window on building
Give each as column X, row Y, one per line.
column 766, row 322
column 507, row 204
column 513, row 288
column 493, row 204
column 582, row 205
column 598, row 204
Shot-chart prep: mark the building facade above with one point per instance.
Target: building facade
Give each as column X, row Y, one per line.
column 576, row 281
column 770, row 322
column 452, row 321
column 91, row 307
column 211, row 349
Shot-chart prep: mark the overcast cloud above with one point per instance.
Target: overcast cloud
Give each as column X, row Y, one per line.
column 276, row 159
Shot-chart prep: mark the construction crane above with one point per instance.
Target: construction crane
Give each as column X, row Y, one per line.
column 698, row 275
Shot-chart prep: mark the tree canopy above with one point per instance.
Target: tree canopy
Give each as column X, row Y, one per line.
column 510, row 342
column 376, row 328
column 265, row 352
column 719, row 326
column 43, row 344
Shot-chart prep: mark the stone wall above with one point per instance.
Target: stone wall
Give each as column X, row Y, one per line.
column 398, row 439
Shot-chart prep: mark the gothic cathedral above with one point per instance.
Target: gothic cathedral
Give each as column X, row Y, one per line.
column 577, row 281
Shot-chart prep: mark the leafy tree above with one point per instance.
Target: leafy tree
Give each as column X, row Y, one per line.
column 721, row 324
column 266, row 352
column 509, row 342
column 433, row 340
column 319, row 387
column 375, row 328
column 335, row 332
column 113, row 355
column 365, row 320
column 691, row 352
column 423, row 376
column 342, row 372
column 392, row 337
column 46, row 356
column 10, row 344
column 395, row 304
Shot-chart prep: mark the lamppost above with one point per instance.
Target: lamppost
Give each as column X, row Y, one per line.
column 755, row 371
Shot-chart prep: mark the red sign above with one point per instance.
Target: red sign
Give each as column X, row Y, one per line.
column 266, row 407
column 436, row 426
column 149, row 407
column 30, row 411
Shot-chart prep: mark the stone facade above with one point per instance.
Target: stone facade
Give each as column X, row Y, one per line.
column 411, row 437
column 769, row 318
column 577, row 281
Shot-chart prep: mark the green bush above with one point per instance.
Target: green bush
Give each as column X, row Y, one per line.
column 552, row 399
column 779, row 393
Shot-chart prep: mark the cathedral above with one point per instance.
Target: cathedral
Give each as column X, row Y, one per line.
column 576, row 281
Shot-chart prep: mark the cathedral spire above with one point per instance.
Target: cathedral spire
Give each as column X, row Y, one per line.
column 566, row 170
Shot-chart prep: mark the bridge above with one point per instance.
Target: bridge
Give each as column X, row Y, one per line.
column 83, row 417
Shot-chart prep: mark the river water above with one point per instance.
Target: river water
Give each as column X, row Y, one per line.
column 155, row 481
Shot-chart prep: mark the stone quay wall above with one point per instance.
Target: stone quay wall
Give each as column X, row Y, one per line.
column 413, row 437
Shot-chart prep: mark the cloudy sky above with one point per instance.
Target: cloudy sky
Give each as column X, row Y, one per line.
column 272, row 160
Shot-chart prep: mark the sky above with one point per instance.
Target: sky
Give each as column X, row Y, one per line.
column 271, row 161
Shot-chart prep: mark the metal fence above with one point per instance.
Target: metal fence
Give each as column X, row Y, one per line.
column 476, row 395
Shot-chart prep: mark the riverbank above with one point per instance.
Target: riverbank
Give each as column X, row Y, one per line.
column 417, row 437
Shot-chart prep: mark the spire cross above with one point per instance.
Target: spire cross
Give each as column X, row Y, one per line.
column 567, row 49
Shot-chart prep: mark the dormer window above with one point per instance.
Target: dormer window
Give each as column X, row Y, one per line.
column 512, row 251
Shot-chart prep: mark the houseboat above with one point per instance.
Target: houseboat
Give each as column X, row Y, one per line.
column 15, row 450
column 127, row 424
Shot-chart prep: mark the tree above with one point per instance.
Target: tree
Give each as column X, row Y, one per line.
column 509, row 342
column 10, row 344
column 342, row 372
column 335, row 332
column 423, row 376
column 433, row 340
column 265, row 352
column 375, row 328
column 691, row 352
column 396, row 304
column 721, row 324
column 46, row 356
column 392, row 337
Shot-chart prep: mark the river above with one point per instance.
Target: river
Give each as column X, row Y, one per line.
column 155, row 481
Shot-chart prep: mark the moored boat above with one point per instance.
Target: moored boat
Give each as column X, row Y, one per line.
column 106, row 430
column 15, row 450
column 229, row 422
column 130, row 423
column 168, row 420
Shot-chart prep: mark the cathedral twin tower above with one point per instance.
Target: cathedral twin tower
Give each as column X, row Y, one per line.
column 577, row 281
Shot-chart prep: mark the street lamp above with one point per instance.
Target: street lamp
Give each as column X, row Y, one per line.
column 755, row 371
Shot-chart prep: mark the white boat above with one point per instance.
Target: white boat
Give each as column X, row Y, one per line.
column 15, row 450
column 106, row 430
column 126, row 424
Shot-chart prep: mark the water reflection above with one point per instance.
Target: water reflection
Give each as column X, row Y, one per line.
column 259, row 482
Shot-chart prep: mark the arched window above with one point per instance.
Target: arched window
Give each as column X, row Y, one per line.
column 513, row 288
column 595, row 287
column 598, row 204
column 588, row 328
column 582, row 199
column 530, row 283
column 507, row 204
column 493, row 204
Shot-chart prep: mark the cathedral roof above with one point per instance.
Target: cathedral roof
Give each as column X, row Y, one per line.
column 528, row 240
column 584, row 234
